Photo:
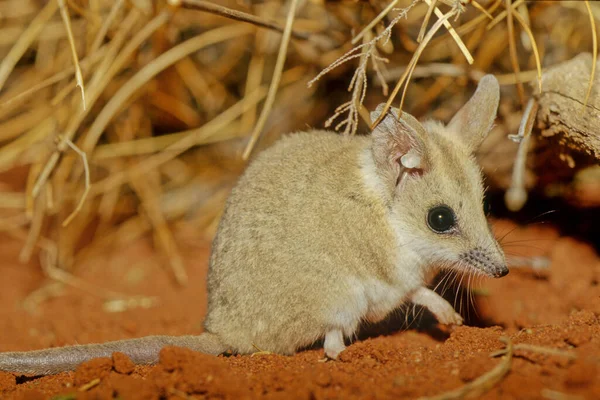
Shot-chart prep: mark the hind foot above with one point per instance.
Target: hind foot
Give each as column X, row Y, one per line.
column 334, row 344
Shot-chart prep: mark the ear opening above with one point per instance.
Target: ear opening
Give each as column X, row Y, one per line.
column 398, row 147
column 474, row 120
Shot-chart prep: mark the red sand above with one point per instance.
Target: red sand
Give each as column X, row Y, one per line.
column 558, row 309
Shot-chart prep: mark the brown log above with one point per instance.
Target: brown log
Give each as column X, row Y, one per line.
column 563, row 114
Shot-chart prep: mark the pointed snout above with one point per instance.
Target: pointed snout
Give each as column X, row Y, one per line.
column 490, row 263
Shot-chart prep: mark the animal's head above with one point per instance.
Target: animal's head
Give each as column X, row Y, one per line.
column 434, row 186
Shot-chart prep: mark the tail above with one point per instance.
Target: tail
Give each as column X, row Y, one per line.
column 141, row 351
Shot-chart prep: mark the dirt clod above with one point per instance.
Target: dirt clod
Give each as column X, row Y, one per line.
column 7, row 381
column 122, row 363
column 97, row 368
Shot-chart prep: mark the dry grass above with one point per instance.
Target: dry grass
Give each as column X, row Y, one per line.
column 113, row 112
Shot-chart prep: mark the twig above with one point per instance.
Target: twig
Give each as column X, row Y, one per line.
column 538, row 349
column 516, row 196
column 417, row 54
column 198, row 86
column 538, row 61
column 85, row 63
column 376, row 20
column 119, row 61
column 24, row 41
column 87, row 182
column 554, row 395
column 207, row 130
column 594, row 50
column 457, row 39
column 512, row 47
column 503, row 14
column 23, row 122
column 413, row 62
column 165, row 60
column 64, row 12
column 253, row 80
column 483, row 383
column 358, row 86
column 426, row 21
column 91, row 384
column 217, row 9
column 448, row 69
column 368, row 50
column 94, row 92
column 106, row 26
column 279, row 64
column 482, row 9
column 154, row 144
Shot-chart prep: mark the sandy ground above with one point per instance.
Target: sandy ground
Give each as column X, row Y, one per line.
column 557, row 310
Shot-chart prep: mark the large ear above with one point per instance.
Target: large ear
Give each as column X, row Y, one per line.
column 398, row 146
column 474, row 120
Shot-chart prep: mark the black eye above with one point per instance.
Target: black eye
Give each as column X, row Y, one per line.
column 486, row 207
column 441, row 219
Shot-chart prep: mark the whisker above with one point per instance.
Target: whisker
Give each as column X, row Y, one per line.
column 528, row 246
column 470, row 301
column 457, row 293
column 527, row 223
column 530, row 240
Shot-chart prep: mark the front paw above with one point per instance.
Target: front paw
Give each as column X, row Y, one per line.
column 449, row 317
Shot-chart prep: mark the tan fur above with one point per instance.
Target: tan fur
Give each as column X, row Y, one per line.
column 323, row 232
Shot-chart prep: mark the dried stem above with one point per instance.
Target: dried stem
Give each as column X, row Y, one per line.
column 538, row 61
column 87, row 183
column 96, row 86
column 503, row 14
column 64, row 12
column 376, row 20
column 165, row 60
column 512, row 46
column 206, row 131
column 279, row 64
column 413, row 62
column 516, row 196
column 217, row 9
column 457, row 39
column 483, row 383
column 539, row 350
column 594, row 50
column 482, row 9
column 106, row 26
column 25, row 40
column 368, row 51
column 426, row 21
column 86, row 63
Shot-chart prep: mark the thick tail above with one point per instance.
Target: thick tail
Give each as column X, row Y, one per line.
column 141, row 351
